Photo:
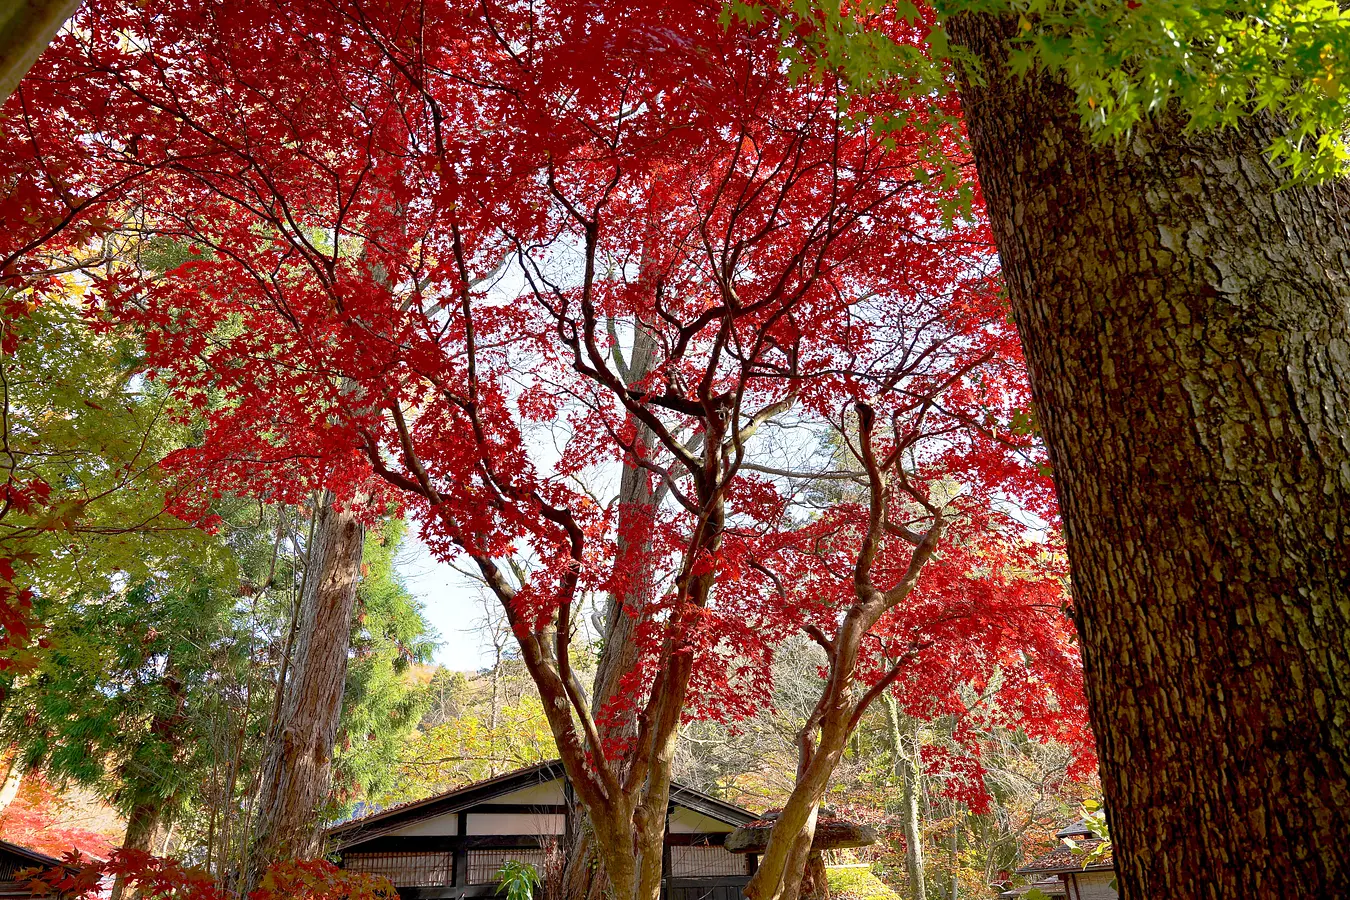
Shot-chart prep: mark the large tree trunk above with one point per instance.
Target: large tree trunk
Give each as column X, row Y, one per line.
column 584, row 877
column 26, row 28
column 907, row 769
column 143, row 828
column 1187, row 330
column 296, row 771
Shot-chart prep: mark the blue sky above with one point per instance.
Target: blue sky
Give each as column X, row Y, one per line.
column 453, row 604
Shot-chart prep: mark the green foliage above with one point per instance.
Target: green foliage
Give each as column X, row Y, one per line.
column 1217, row 62
column 518, row 880
column 857, row 884
column 126, row 691
column 475, row 744
column 80, row 421
column 383, row 701
column 1094, row 818
column 156, row 671
column 136, row 604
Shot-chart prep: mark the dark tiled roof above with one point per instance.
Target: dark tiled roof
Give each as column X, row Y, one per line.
column 1075, row 829
column 1050, row 887
column 366, row 827
column 396, row 816
column 32, row 856
column 1065, row 859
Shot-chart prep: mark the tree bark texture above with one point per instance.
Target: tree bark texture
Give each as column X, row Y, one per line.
column 815, row 883
column 26, row 28
column 1187, row 330
column 907, row 769
column 143, row 829
column 584, row 876
column 296, row 771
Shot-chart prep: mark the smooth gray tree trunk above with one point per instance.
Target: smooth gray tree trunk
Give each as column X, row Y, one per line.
column 582, row 876
column 905, row 764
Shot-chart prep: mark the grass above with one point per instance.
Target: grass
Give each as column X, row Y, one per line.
column 857, row 884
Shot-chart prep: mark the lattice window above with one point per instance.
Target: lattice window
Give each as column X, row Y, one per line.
column 404, row 869
column 485, row 864
column 704, row 862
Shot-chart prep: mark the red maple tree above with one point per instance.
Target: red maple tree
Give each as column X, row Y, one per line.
column 422, row 236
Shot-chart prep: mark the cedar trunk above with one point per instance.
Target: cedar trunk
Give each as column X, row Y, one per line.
column 296, row 772
column 1187, row 330
column 143, row 827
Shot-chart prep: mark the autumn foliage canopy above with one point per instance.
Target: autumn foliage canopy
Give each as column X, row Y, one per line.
column 473, row 259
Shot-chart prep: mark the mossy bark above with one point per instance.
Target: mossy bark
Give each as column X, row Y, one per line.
column 26, row 28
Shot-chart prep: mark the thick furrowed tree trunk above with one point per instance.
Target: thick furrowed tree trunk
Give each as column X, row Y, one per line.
column 296, row 771
column 1187, row 330
column 143, row 829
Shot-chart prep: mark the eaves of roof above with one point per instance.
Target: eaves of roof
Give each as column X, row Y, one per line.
column 33, row 856
column 387, row 820
column 1064, row 859
column 380, row 823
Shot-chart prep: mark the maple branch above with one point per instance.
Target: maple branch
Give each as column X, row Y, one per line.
column 905, row 532
column 819, row 637
column 847, row 475
column 876, row 516
column 877, row 689
column 562, row 618
column 922, row 553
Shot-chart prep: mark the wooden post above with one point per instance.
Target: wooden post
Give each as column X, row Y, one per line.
column 665, row 855
column 462, row 855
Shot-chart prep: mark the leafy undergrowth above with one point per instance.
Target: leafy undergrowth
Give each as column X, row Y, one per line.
column 50, row 821
column 857, row 884
column 163, row 878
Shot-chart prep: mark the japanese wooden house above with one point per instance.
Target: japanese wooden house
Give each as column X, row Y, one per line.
column 1078, row 879
column 15, row 859
column 453, row 845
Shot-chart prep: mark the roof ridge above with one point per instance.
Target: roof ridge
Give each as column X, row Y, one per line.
column 444, row 795
column 553, row 767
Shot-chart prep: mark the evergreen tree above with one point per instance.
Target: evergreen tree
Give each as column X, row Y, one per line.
column 387, row 693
